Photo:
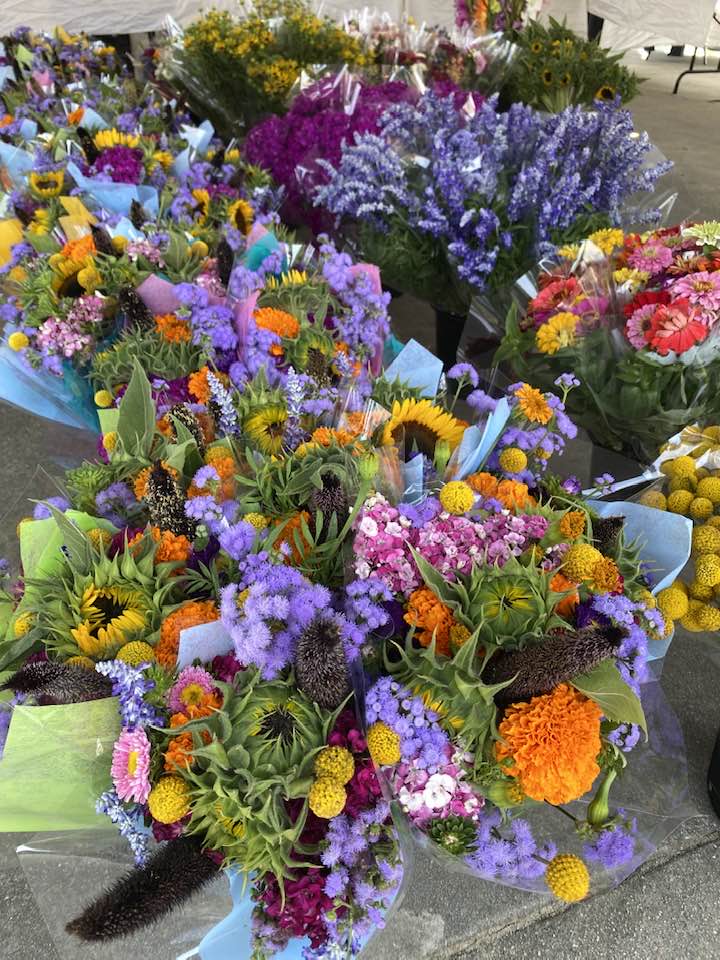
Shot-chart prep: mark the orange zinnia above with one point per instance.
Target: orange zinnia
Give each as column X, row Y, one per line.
column 189, row 615
column 561, row 584
column 553, row 743
column 281, row 322
column 431, row 617
column 514, row 495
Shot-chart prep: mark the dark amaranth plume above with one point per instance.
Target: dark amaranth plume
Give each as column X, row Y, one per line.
column 138, row 216
column 321, row 669
column 88, row 145
column 138, row 315
column 166, row 503
column 183, row 414
column 50, row 682
column 606, row 531
column 538, row 669
column 225, row 258
column 103, row 241
column 175, row 871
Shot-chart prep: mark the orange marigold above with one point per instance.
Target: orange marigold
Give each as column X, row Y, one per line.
column 170, row 546
column 606, row 578
column 288, row 536
column 179, row 751
column 172, row 328
column 553, row 743
column 430, row 616
column 281, row 322
column 514, row 495
column 79, row 249
column 573, row 524
column 326, row 436
column 189, row 615
column 75, row 116
column 483, row 483
column 561, row 584
column 198, row 385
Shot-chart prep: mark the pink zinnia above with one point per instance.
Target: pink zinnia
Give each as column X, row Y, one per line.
column 131, row 766
column 190, row 689
column 638, row 326
column 652, row 257
column 675, row 328
column 702, row 288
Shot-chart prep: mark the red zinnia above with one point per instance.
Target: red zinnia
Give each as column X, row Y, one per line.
column 642, row 299
column 675, row 327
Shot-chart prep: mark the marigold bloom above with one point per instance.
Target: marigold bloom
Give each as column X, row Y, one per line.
column 514, row 495
column 483, row 483
column 288, row 537
column 170, row 546
column 189, row 615
column 533, row 404
column 573, row 524
column 79, row 249
column 565, row 606
column 198, row 385
column 553, row 743
column 172, row 328
column 431, row 618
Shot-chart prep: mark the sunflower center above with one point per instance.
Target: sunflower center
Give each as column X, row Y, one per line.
column 278, row 724
column 70, row 287
column 109, row 606
column 418, row 438
column 317, row 366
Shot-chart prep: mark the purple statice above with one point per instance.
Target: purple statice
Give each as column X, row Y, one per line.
column 420, row 513
column 295, row 387
column 612, row 848
column 572, row 485
column 509, row 852
column 117, row 503
column 130, row 685
column 226, row 415
column 365, row 612
column 266, row 619
column 120, row 164
column 237, row 539
column 129, row 824
column 42, row 510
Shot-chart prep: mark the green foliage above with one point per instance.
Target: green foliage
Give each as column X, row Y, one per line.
column 160, row 358
column 606, row 687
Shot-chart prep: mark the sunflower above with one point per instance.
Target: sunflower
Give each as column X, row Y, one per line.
column 265, row 429
column 40, row 223
column 104, row 139
column 565, row 79
column 112, row 617
column 547, row 77
column 162, row 158
column 48, row 184
column 606, row 93
column 422, row 425
column 199, row 209
column 293, row 278
column 73, row 278
column 536, row 47
column 240, row 214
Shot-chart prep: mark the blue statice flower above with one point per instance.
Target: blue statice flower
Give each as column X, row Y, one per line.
column 130, row 685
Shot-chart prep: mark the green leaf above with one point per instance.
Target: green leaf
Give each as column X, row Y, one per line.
column 136, row 422
column 606, row 687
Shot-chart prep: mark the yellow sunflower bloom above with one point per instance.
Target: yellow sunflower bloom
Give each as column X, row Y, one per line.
column 240, row 214
column 421, row 425
column 48, row 184
column 265, row 429
column 104, row 139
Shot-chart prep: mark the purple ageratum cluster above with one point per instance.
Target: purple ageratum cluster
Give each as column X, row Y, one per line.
column 422, row 741
column 130, row 685
column 117, row 503
column 480, row 182
column 613, row 847
column 316, row 127
column 636, row 620
column 212, row 324
column 508, row 853
column 266, row 619
column 365, row 612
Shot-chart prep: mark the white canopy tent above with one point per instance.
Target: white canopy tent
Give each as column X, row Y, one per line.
column 632, row 24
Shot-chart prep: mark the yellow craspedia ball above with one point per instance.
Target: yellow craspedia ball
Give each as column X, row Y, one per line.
column 707, row 569
column 200, row 248
column 699, row 591
column 513, row 460
column 706, row 539
column 679, row 502
column 682, row 467
column 169, row 800
column 580, row 561
column 23, row 624
column 110, row 441
column 568, row 878
column 99, row 538
column 713, row 522
column 18, row 340
column 457, row 497
column 690, row 620
column 655, row 499
column 701, row 508
column 383, row 744
column 119, row 243
column 713, row 433
column 85, row 662
column 702, row 472
column 135, row 653
column 708, row 618
column 327, row 798
column 103, row 398
column 672, row 603
column 682, row 483
column 709, row 487
column 336, row 763
column 256, row 520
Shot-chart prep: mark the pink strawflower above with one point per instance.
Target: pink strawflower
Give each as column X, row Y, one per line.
column 653, row 257
column 190, row 689
column 638, row 325
column 131, row 765
column 701, row 289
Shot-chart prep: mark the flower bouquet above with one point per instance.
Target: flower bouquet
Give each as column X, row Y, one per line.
column 634, row 319
column 237, row 70
column 449, row 204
